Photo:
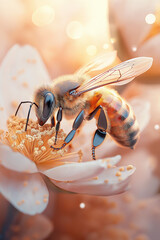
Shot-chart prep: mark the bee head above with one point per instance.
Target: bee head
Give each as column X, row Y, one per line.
column 46, row 103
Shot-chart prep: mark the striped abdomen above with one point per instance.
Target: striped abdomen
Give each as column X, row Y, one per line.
column 123, row 124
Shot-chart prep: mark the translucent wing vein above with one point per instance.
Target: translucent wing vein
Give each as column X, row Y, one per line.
column 118, row 75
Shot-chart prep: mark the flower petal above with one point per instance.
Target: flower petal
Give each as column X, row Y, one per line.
column 141, row 108
column 27, row 192
column 36, row 227
column 22, row 70
column 148, row 185
column 78, row 171
column 16, row 161
column 3, row 113
column 108, row 183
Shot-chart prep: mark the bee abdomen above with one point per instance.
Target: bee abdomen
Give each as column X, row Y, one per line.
column 123, row 124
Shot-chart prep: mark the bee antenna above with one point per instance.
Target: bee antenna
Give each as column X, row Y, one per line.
column 31, row 104
column 22, row 103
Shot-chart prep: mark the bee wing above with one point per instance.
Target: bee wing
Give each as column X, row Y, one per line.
column 118, row 75
column 98, row 63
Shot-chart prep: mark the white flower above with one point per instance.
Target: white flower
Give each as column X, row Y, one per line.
column 24, row 155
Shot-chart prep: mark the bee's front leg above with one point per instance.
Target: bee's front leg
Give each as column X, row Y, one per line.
column 53, row 121
column 100, row 133
column 77, row 122
column 59, row 119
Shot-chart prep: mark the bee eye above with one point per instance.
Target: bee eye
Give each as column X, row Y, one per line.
column 49, row 103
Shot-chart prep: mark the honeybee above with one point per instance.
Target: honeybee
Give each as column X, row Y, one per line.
column 83, row 98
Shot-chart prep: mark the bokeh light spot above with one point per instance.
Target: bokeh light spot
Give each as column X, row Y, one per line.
column 106, row 46
column 113, row 40
column 134, row 49
column 82, row 205
column 150, row 18
column 156, row 127
column 74, row 30
column 43, row 16
column 91, row 50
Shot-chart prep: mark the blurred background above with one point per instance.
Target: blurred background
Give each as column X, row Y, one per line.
column 68, row 34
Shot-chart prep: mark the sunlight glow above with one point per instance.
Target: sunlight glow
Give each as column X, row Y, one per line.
column 91, row 50
column 43, row 16
column 74, row 30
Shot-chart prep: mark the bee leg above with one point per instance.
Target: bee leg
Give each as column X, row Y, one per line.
column 59, row 119
column 77, row 122
column 31, row 104
column 100, row 133
column 52, row 121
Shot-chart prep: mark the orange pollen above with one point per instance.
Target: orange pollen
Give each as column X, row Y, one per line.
column 121, row 169
column 118, row 174
column 35, row 142
column 129, row 167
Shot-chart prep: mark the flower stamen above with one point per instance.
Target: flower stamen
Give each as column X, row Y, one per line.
column 35, row 142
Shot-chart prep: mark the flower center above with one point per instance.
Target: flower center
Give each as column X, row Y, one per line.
column 35, row 142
